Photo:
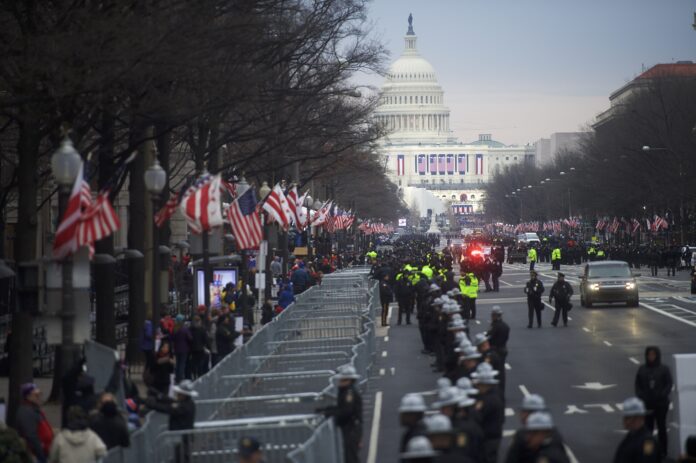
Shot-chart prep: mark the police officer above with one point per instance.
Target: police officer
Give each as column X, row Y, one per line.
column 490, row 356
column 498, row 333
column 653, row 386
column 532, row 257
column 404, row 297
column 561, row 292
column 518, row 450
column 385, row 297
column 639, row 446
column 441, row 436
column 348, row 413
column 539, row 442
column 469, row 287
column 556, row 258
column 411, row 413
column 419, row 450
column 534, row 289
column 491, row 410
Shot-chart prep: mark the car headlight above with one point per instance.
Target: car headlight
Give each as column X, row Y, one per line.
column 594, row 286
column 630, row 285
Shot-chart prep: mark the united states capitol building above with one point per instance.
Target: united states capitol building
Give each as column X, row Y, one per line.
column 422, row 155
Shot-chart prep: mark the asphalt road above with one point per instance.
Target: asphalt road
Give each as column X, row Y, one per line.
column 583, row 371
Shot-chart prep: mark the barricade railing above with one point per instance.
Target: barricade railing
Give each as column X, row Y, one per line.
column 284, row 369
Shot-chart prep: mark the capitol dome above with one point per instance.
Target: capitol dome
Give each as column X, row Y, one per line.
column 411, row 105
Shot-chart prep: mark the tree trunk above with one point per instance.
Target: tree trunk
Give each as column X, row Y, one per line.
column 24, row 250
column 104, row 273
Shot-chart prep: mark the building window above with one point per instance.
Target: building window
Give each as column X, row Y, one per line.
column 473, row 197
column 462, row 197
column 410, row 99
column 515, row 158
column 399, row 182
column 507, row 158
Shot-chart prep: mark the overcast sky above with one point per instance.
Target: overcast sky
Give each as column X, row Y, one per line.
column 523, row 69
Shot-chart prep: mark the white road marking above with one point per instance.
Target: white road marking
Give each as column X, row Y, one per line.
column 667, row 314
column 478, row 322
column 384, row 353
column 634, row 360
column 509, row 412
column 608, row 343
column 595, row 386
column 374, row 433
column 584, row 328
column 504, row 282
column 606, row 407
column 386, row 339
column 508, row 432
column 382, row 371
column 393, row 371
column 508, row 367
column 524, row 390
column 574, row 409
column 571, row 455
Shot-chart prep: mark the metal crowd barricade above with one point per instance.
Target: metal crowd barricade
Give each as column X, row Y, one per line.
column 270, row 387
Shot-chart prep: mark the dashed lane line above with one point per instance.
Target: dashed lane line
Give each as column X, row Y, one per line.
column 607, row 343
column 382, row 371
column 634, row 360
column 374, row 433
column 384, row 353
column 508, row 367
column 586, row 329
column 525, row 391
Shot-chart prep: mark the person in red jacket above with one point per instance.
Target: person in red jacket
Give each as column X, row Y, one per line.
column 32, row 424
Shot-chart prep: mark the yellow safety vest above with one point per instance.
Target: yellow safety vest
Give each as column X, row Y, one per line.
column 556, row 254
column 532, row 255
column 470, row 290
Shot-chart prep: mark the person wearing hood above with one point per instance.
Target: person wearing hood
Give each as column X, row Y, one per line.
column 76, row 443
column 12, row 447
column 109, row 424
column 653, row 386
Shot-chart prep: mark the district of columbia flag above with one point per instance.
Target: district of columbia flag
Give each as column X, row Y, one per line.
column 66, row 239
column 479, row 164
column 245, row 221
column 400, row 165
column 292, row 198
column 277, row 207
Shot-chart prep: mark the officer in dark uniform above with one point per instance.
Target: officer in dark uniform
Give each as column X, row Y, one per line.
column 491, row 410
column 468, row 435
column 404, row 296
column 490, row 356
column 534, row 289
column 498, row 333
column 411, row 413
column 639, row 446
column 539, row 431
column 561, row 292
column 519, row 451
column 348, row 413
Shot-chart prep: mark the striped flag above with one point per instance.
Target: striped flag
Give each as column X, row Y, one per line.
column 98, row 221
column 421, row 164
column 322, row 214
column 302, row 213
column 433, row 164
column 201, row 205
column 245, row 221
column 65, row 242
column 441, row 164
column 166, row 211
column 400, row 165
column 461, row 163
column 292, row 198
column 479, row 164
column 276, row 205
column 450, row 164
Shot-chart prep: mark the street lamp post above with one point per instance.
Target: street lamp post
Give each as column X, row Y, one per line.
column 264, row 191
column 65, row 164
column 308, row 201
column 155, row 180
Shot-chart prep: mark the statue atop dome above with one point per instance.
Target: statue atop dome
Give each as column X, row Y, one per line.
column 410, row 25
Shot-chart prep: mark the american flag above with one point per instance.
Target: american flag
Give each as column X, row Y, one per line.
column 330, row 222
column 421, row 164
column 201, row 205
column 245, row 221
column 461, row 163
column 276, row 205
column 433, row 164
column 65, row 242
column 635, row 226
column 441, row 164
column 450, row 164
column 98, row 221
column 400, row 165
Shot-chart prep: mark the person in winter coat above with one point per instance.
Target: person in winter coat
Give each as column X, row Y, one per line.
column 109, row 424
column 653, row 386
column 12, row 447
column 385, row 297
column 181, row 342
column 225, row 335
column 182, row 414
column 286, row 297
column 77, row 443
column 199, row 344
column 32, row 424
column 78, row 389
column 534, row 289
column 147, row 343
column 300, row 279
column 267, row 312
column 162, row 369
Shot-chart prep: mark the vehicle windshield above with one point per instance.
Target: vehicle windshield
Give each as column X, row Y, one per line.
column 610, row 271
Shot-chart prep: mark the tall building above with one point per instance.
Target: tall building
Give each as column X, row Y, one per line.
column 546, row 149
column 420, row 150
